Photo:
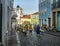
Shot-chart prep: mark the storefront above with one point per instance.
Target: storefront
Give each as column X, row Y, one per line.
column 54, row 19
column 58, row 21
column 56, row 14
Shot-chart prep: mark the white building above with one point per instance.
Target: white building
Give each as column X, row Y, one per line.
column 6, row 6
column 13, row 19
column 19, row 14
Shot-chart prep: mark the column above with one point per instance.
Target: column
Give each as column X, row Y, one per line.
column 56, row 19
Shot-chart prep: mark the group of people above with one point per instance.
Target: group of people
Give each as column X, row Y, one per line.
column 36, row 28
column 24, row 29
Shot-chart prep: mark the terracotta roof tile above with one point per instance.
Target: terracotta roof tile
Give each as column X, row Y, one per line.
column 26, row 16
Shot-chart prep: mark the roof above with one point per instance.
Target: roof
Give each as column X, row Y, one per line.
column 26, row 16
column 36, row 13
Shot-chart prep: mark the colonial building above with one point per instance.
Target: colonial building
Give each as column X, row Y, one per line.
column 13, row 19
column 31, row 18
column 56, row 14
column 35, row 18
column 45, row 14
column 19, row 12
column 25, row 18
column 5, row 19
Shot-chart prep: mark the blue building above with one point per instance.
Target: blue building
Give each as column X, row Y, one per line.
column 56, row 14
column 45, row 13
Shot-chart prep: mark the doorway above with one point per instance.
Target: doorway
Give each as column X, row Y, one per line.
column 49, row 22
column 58, row 21
column 0, row 22
column 54, row 19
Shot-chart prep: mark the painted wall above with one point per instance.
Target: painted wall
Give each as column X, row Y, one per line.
column 25, row 19
column 44, row 11
column 35, row 19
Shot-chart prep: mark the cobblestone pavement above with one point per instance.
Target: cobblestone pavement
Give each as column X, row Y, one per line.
column 54, row 33
column 12, row 41
column 49, row 40
column 32, row 39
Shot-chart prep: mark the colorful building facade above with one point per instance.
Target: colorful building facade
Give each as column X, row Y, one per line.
column 35, row 18
column 19, row 12
column 25, row 18
column 56, row 14
column 45, row 14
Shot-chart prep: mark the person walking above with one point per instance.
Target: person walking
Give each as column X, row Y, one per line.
column 38, row 29
column 30, row 29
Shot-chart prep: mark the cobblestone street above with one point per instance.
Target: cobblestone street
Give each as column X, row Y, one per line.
column 32, row 39
column 43, row 39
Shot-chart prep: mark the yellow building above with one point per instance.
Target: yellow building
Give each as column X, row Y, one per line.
column 25, row 18
column 30, row 19
column 35, row 18
column 26, row 22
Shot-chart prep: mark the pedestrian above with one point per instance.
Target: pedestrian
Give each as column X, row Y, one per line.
column 30, row 29
column 24, row 31
column 38, row 32
column 44, row 28
column 38, row 29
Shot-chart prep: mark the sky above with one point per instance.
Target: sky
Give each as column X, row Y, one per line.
column 29, row 6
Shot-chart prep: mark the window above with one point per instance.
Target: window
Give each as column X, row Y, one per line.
column 49, row 22
column 54, row 5
column 51, row 1
column 42, row 21
column 58, row 4
column 54, row 1
column 45, row 21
